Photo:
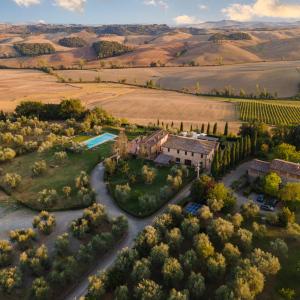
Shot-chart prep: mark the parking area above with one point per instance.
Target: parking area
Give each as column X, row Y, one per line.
column 234, row 176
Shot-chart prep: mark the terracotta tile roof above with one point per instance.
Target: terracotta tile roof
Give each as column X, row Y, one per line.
column 154, row 137
column 260, row 166
column 285, row 166
column 189, row 144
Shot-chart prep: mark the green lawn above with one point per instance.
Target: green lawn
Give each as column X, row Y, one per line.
column 56, row 177
column 139, row 188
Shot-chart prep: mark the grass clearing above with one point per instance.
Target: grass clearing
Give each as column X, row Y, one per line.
column 56, row 177
column 140, row 188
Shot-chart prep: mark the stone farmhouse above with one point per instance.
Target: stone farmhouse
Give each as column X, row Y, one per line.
column 288, row 171
column 165, row 148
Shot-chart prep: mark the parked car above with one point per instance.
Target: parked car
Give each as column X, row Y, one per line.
column 274, row 202
column 260, row 199
column 267, row 207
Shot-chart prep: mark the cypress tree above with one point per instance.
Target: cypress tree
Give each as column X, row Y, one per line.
column 254, row 144
column 172, row 124
column 208, row 128
column 237, row 151
column 202, row 128
column 228, row 157
column 158, row 122
column 215, row 128
column 226, row 129
column 181, row 126
column 232, row 154
column 215, row 167
column 191, row 129
column 248, row 145
column 242, row 153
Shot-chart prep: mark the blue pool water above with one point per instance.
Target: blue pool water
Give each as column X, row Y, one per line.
column 98, row 140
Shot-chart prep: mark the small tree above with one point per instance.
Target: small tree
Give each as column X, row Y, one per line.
column 40, row 289
column 10, row 279
column 265, row 262
column 23, row 237
column 44, row 222
column 47, row 198
column 110, row 166
column 203, row 246
column 12, row 180
column 148, row 290
column 6, row 253
column 172, row 271
column 39, row 168
column 121, row 293
column 280, row 248
column 159, row 254
column 271, row 184
column 60, row 156
column 148, row 174
column 196, row 285
column 62, row 244
column 141, row 270
column 122, row 192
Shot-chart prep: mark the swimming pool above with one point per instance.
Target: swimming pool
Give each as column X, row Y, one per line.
column 100, row 139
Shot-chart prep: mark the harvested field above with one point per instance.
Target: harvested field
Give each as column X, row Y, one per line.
column 136, row 104
column 281, row 77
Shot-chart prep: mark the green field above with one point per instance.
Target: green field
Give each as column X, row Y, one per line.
column 269, row 112
column 56, row 177
column 140, row 188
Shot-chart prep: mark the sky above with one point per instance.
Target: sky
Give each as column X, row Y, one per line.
column 171, row 12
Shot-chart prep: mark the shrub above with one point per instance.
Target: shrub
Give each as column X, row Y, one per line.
column 44, row 222
column 12, row 180
column 147, row 202
column 6, row 253
column 39, row 168
column 287, row 293
column 122, row 192
column 67, row 190
column 60, row 156
column 47, row 198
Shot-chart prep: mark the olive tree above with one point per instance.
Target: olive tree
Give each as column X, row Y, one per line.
column 44, row 222
column 172, row 271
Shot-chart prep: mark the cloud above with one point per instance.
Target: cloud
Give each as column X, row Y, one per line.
column 27, row 2
column 72, row 5
column 262, row 8
column 160, row 3
column 186, row 20
column 203, row 6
